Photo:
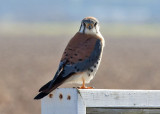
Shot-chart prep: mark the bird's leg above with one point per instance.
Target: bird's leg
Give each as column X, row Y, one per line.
column 83, row 85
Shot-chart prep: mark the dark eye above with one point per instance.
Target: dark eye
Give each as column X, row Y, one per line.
column 95, row 24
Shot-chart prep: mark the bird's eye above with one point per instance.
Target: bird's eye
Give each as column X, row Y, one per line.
column 95, row 24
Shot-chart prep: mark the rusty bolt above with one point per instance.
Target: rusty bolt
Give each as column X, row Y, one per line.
column 60, row 96
column 50, row 95
column 68, row 97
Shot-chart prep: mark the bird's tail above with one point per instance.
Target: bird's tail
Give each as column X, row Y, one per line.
column 45, row 87
column 41, row 95
column 42, row 91
column 45, row 90
column 50, row 86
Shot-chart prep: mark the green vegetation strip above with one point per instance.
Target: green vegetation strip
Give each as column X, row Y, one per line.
column 56, row 29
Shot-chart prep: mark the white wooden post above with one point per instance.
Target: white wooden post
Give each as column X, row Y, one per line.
column 73, row 101
column 63, row 101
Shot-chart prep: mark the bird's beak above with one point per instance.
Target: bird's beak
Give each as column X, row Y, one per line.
column 89, row 26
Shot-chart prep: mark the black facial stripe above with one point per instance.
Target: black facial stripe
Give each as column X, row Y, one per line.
column 95, row 24
column 84, row 28
column 96, row 29
column 80, row 27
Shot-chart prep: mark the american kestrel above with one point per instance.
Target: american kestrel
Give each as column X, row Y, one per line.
column 81, row 58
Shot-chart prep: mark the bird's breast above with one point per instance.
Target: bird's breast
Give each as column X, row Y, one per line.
column 93, row 69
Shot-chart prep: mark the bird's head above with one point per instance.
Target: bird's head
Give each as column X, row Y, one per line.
column 89, row 25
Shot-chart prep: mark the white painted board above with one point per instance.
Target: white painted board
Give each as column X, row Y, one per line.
column 121, row 98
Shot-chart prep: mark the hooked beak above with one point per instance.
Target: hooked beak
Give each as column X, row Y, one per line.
column 89, row 25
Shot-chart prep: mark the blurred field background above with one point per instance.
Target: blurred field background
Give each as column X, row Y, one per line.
column 33, row 35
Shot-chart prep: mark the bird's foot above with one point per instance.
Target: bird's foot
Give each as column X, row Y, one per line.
column 85, row 87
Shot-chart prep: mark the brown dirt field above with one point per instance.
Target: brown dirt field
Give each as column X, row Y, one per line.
column 29, row 62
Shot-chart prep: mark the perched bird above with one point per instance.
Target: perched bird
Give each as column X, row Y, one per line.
column 81, row 58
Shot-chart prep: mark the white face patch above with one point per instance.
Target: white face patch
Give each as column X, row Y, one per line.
column 94, row 30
